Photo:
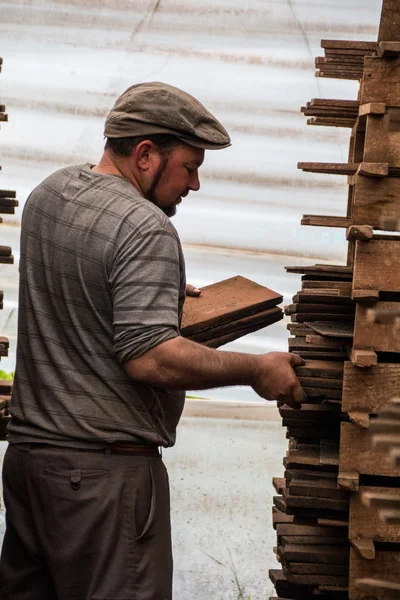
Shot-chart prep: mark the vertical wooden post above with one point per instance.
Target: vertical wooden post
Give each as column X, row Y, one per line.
column 389, row 28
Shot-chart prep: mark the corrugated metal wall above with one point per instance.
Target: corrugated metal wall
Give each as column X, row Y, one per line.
column 251, row 63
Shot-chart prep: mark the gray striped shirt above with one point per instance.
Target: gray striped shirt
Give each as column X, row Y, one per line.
column 102, row 280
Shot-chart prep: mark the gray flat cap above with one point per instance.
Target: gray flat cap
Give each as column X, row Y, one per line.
column 150, row 108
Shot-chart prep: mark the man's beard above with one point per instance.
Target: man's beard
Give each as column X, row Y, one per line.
column 170, row 211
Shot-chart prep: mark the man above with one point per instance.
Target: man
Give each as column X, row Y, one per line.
column 100, row 362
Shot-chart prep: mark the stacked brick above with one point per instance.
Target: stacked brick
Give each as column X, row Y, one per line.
column 8, row 203
column 337, row 509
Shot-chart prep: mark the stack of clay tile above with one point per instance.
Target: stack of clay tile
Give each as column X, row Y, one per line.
column 7, row 206
column 330, row 543
column 228, row 310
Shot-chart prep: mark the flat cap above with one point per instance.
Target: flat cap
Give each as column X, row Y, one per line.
column 150, row 108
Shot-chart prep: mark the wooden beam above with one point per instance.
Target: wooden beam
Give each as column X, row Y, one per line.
column 389, row 26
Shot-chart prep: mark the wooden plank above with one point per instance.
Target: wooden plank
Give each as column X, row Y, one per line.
column 359, row 232
column 333, row 102
column 320, row 554
column 368, row 390
column 220, row 340
column 330, row 342
column 389, row 49
column 363, row 358
column 386, row 566
column 375, row 263
column 262, row 318
column 372, row 108
column 321, row 382
column 333, row 329
column 310, row 530
column 364, row 521
column 317, row 489
column 358, row 456
column 378, row 588
column 374, row 169
column 381, row 82
column 389, row 26
column 325, row 221
column 320, row 308
column 376, row 200
column 329, row 168
column 225, row 301
column 333, row 317
column 324, row 270
column 349, row 45
column 320, row 368
column 299, row 344
column 379, row 337
column 343, row 287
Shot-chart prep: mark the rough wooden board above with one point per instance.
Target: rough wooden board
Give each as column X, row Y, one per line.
column 330, row 168
column 310, row 316
column 342, row 286
column 319, row 412
column 322, row 297
column 378, row 588
column 300, row 344
column 321, row 270
column 315, row 579
column 321, row 382
column 298, row 329
column 374, row 200
column 389, row 26
column 358, row 456
column 320, row 368
column 315, row 568
column 315, row 554
column 313, row 392
column 363, row 357
column 324, row 221
column 310, row 530
column 320, row 308
column 279, row 517
column 324, row 356
column 220, row 340
column 350, row 45
column 359, row 232
column 364, row 521
column 262, row 318
column 309, row 475
column 375, row 264
column 368, row 390
column 336, row 329
column 389, row 49
column 380, row 337
column 386, row 566
column 330, row 342
column 225, row 301
column 310, row 539
column 317, row 489
column 381, row 82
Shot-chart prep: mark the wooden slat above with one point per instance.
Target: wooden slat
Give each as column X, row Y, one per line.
column 358, row 456
column 325, row 221
column 320, row 368
column 375, row 263
column 389, row 26
column 368, row 391
column 380, row 337
column 364, row 521
column 226, row 301
column 333, row 329
column 381, row 82
column 385, row 566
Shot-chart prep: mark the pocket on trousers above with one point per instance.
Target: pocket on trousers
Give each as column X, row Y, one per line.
column 145, row 505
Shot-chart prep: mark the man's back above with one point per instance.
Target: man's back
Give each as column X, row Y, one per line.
column 101, row 281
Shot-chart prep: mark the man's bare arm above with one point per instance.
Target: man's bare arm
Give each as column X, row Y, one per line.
column 182, row 364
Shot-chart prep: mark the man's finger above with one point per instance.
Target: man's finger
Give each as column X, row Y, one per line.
column 192, row 291
column 299, row 394
column 296, row 360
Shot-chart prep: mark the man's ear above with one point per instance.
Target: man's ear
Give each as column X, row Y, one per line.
column 144, row 154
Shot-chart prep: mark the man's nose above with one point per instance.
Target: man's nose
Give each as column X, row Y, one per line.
column 194, row 183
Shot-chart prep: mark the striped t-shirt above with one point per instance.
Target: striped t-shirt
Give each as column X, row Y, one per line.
column 102, row 280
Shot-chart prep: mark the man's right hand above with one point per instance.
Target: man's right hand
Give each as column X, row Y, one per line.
column 276, row 379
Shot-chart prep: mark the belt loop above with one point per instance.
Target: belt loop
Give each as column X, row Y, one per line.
column 76, row 479
column 107, row 452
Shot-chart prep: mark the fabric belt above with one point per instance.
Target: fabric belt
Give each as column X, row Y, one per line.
column 125, row 449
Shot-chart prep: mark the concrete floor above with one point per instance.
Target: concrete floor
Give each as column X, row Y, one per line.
column 220, row 472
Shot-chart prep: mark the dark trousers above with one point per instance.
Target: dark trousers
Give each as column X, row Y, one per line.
column 85, row 526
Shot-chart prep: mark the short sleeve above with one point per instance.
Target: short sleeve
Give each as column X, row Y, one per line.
column 145, row 281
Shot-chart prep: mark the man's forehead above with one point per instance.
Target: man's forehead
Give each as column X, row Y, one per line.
column 191, row 154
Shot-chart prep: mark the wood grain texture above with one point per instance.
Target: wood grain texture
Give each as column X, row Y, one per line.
column 364, row 521
column 358, row 455
column 379, row 337
column 225, row 301
column 376, row 264
column 368, row 390
column 385, row 566
column 381, row 82
column 375, row 200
